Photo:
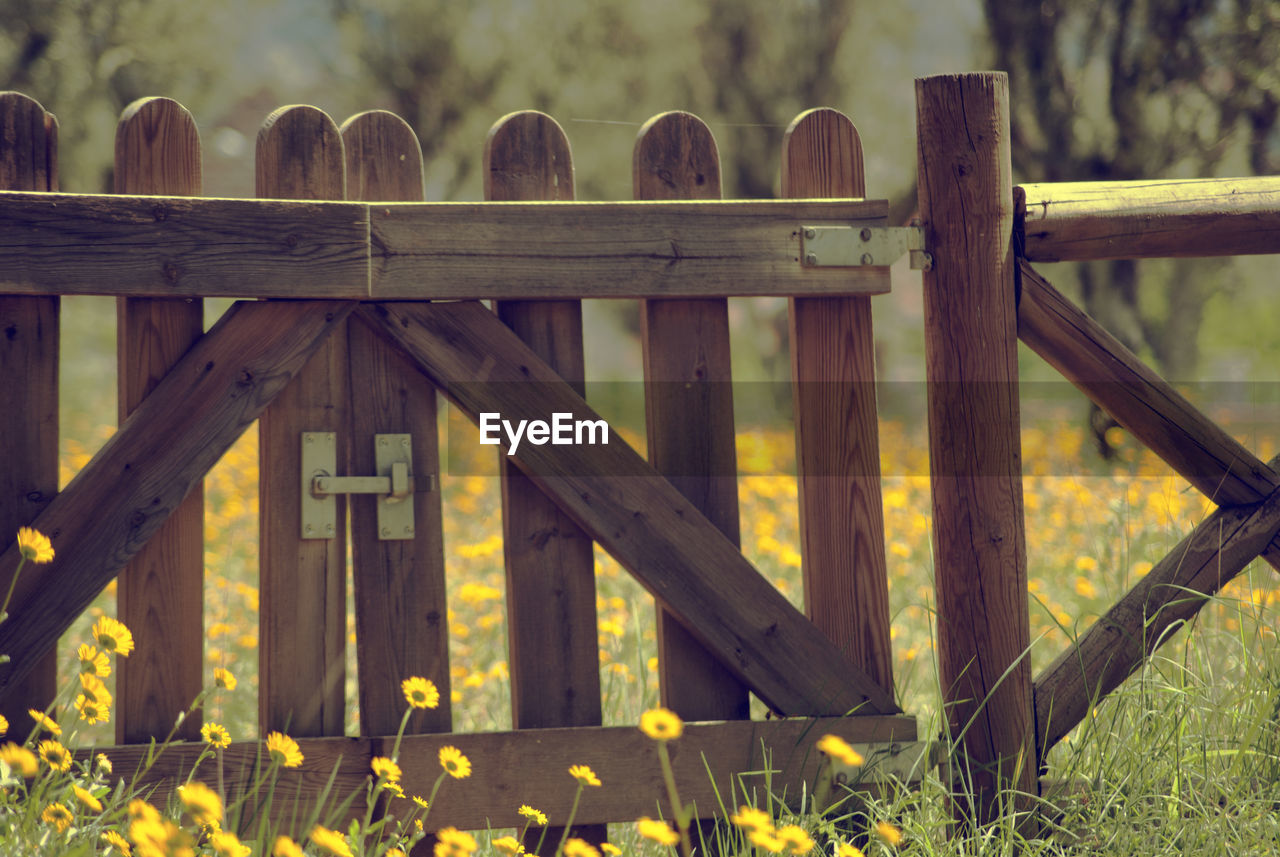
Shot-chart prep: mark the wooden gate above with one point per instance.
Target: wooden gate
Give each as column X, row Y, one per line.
column 373, row 306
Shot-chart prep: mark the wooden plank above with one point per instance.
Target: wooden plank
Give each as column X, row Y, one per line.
column 550, row 562
column 401, row 627
column 530, row 766
column 607, row 250
column 975, row 459
column 29, row 398
column 1169, row 595
column 81, row 244
column 1067, row 221
column 303, row 582
column 833, row 375
column 633, row 513
column 161, row 591
column 688, row 395
column 123, row 495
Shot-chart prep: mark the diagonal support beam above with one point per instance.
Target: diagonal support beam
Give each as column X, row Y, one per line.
column 1170, row 594
column 1115, row 379
column 121, row 497
column 639, row 517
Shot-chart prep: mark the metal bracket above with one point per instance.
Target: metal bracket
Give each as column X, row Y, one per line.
column 394, row 485
column 856, row 246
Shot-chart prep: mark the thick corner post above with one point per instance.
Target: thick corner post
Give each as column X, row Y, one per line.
column 980, row 555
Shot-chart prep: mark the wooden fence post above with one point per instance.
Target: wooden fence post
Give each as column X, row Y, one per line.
column 846, row 587
column 161, row 591
column 29, row 397
column 975, row 460
column 689, row 406
column 303, row 585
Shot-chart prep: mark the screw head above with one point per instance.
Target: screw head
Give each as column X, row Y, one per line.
column 308, row 529
column 866, row 233
column 811, row 259
column 866, row 259
column 328, row 529
column 386, row 532
column 811, row 234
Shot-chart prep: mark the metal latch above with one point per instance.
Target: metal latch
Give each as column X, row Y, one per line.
column 394, row 484
column 855, row 246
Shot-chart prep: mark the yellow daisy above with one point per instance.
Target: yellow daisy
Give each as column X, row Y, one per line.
column 4, row 724
column 215, row 734
column 224, row 679
column 767, row 840
column 202, row 803
column 584, row 775
column 116, row 841
column 34, row 545
column 889, row 833
column 285, row 847
column 113, row 636
column 384, row 768
column 796, row 839
column 227, row 844
column 661, row 724
column 752, row 820
column 87, row 799
column 509, row 846
column 93, row 661
column 55, row 755
column 284, row 750
column 611, row 849
column 659, row 831
column 420, row 692
column 45, row 721
column 576, row 847
column 457, row 765
column 839, row 749
column 330, row 841
column 451, row 842
column 844, row 849
column 92, row 711
column 57, row 815
column 19, row 759
column 536, row 816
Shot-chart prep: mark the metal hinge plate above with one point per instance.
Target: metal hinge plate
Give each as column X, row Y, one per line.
column 858, row 246
column 393, row 484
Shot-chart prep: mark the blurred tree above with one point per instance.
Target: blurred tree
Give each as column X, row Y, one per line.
column 1142, row 89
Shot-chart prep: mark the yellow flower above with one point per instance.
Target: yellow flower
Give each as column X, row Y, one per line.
column 536, row 816
column 202, row 803
column 889, row 833
column 420, row 693
column 227, row 844
column 284, row 750
column 215, row 734
column 451, row 842
column 331, row 841
column 384, row 768
column 393, row 852
column 224, row 679
column 576, row 847
column 796, row 840
column 116, row 841
column 34, row 545
column 420, row 801
column 45, row 721
column 91, row 710
column 285, row 847
column 767, row 840
column 844, row 849
column 659, row 831
column 508, row 845
column 19, row 759
column 661, row 724
column 87, row 799
column 140, row 810
column 752, row 820
column 393, row 788
column 93, row 661
column 584, row 775
column 839, row 749
column 55, row 755
column 113, row 636
column 611, row 849
column 4, row 724
column 457, row 765
column 57, row 815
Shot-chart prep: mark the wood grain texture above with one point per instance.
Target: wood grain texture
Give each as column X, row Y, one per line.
column 833, row 376
column 1165, row 598
column 29, row 337
column 401, row 627
column 980, row 554
column 303, row 582
column 633, row 513
column 1143, row 219
column 550, row 561
column 161, row 591
column 688, row 395
column 531, row 766
column 123, row 495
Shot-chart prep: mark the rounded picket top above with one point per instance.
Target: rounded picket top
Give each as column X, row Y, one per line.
column 383, row 158
column 28, row 144
column 675, row 157
column 527, row 157
column 822, row 156
column 299, row 155
column 157, row 149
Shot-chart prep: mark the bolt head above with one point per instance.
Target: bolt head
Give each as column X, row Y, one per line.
column 811, row 259
column 866, row 259
column 866, row 233
column 811, row 234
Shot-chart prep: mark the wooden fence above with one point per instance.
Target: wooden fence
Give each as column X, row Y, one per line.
column 383, row 306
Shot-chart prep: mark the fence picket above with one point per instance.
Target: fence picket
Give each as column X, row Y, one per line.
column 401, row 627
column 161, row 591
column 846, row 591
column 551, row 589
column 689, row 406
column 302, row 604
column 29, row 400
